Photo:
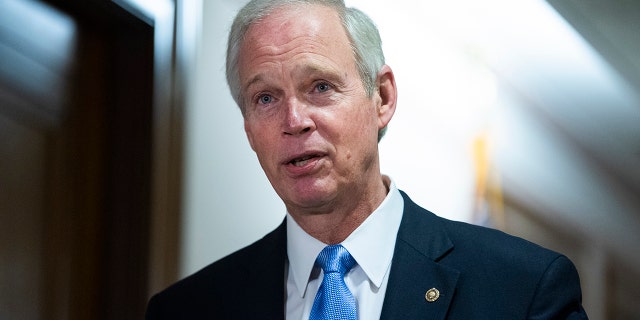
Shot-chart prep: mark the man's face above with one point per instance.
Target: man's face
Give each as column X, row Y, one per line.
column 308, row 117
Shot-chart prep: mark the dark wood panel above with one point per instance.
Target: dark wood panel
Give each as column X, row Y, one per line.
column 76, row 123
column 22, row 201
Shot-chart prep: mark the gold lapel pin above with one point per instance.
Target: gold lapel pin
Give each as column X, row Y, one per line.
column 432, row 295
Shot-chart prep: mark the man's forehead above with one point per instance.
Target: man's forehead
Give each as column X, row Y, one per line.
column 288, row 33
column 295, row 20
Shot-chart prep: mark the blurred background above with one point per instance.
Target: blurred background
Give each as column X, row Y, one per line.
column 124, row 165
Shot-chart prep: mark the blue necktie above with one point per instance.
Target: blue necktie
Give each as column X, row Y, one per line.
column 334, row 300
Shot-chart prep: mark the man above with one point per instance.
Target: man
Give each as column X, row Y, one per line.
column 316, row 96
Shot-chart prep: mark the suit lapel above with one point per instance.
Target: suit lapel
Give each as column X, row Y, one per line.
column 267, row 299
column 415, row 269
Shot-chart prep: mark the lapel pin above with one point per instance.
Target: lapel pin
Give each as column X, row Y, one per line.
column 432, row 295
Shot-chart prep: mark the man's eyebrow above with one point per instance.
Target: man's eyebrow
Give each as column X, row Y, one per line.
column 317, row 69
column 328, row 73
column 257, row 78
column 305, row 70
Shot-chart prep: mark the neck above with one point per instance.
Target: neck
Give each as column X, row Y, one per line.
column 333, row 226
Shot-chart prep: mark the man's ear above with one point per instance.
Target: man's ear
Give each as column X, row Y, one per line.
column 249, row 134
column 388, row 93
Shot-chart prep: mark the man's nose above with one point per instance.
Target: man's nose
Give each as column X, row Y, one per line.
column 297, row 118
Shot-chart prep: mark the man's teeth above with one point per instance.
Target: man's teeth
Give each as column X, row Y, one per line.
column 301, row 162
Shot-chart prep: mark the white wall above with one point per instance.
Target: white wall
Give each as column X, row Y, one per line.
column 228, row 202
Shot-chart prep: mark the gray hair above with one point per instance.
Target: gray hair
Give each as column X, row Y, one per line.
column 361, row 31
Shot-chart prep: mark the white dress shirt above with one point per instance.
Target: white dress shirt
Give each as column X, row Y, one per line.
column 371, row 245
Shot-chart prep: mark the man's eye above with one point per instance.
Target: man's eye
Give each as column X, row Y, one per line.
column 265, row 99
column 323, row 87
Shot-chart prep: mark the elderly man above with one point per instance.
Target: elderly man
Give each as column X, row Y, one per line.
column 311, row 83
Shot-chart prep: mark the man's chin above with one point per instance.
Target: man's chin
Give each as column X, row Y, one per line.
column 310, row 201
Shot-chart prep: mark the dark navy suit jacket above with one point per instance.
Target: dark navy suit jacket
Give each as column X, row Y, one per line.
column 480, row 273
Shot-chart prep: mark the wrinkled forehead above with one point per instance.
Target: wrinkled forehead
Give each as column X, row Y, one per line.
column 292, row 21
column 292, row 32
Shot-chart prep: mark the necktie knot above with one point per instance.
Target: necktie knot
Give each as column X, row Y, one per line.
column 334, row 300
column 335, row 258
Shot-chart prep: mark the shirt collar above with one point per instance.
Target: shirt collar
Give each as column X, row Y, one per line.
column 371, row 244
